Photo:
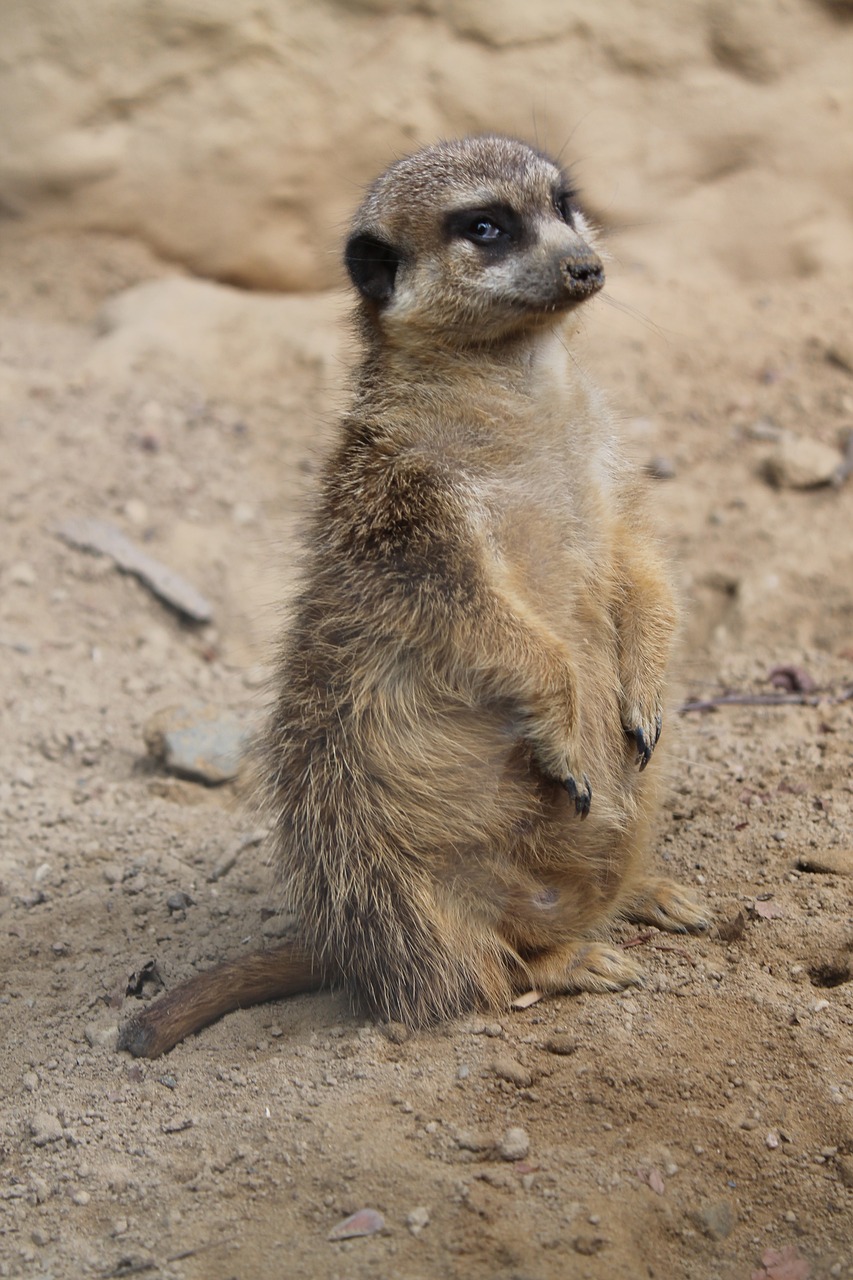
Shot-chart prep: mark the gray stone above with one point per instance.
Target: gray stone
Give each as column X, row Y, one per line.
column 717, row 1219
column 800, row 463
column 199, row 741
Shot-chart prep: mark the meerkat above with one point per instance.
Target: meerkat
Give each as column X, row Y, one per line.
column 472, row 685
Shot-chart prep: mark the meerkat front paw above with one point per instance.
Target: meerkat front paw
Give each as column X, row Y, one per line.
column 644, row 729
column 559, row 758
column 581, row 793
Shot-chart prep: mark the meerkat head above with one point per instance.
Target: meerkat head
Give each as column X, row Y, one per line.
column 470, row 243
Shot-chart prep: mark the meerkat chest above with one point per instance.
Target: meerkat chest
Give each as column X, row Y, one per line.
column 545, row 508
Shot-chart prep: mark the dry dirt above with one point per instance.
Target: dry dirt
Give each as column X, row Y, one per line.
column 684, row 1129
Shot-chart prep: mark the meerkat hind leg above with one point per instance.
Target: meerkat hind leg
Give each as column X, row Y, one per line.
column 583, row 965
column 664, row 903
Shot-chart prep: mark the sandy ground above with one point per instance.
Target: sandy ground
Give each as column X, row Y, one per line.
column 690, row 1128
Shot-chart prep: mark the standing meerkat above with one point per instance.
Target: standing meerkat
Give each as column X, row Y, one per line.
column 472, row 685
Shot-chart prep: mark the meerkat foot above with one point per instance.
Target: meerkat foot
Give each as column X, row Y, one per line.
column 585, row 966
column 665, row 904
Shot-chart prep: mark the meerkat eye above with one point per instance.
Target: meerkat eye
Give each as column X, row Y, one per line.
column 490, row 227
column 484, row 231
column 563, row 204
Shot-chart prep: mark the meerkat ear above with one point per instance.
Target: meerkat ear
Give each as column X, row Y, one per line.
column 372, row 264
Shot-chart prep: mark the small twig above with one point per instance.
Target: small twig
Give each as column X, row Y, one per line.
column 201, row 1248
column 766, row 700
column 638, row 941
column 129, row 1267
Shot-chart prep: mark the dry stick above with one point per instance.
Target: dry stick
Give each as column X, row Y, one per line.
column 640, row 939
column 201, row 1248
column 766, row 700
column 129, row 1267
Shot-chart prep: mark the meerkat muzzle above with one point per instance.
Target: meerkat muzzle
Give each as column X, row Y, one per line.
column 583, row 274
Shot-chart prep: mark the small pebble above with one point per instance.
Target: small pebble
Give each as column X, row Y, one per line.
column 136, row 512
column 81, row 1197
column 561, row 1045
column 45, row 1128
column 30, row 1081
column 101, row 1037
column 763, row 429
column 23, row 575
column 801, row 463
column 179, row 901
column 716, row 1219
column 467, row 1140
column 513, row 1072
column 40, row 1188
column 417, row 1220
column 514, row 1145
column 588, row 1245
column 366, row 1222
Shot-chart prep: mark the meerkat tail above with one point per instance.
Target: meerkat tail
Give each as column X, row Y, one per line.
column 202, row 999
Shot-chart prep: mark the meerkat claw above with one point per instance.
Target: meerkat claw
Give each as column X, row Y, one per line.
column 582, row 795
column 643, row 748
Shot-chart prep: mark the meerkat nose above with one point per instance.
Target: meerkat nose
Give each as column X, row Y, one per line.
column 583, row 274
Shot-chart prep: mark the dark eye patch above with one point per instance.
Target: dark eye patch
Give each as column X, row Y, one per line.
column 494, row 227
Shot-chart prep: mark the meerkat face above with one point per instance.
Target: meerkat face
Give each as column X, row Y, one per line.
column 470, row 243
